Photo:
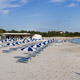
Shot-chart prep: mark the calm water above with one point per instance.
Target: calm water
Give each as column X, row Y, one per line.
column 77, row 40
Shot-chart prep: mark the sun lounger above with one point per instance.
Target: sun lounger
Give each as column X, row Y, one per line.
column 24, row 60
column 33, row 54
column 6, row 51
column 13, row 49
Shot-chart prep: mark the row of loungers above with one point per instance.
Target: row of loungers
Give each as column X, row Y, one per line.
column 34, row 50
column 14, row 42
column 16, row 39
column 17, row 43
column 13, row 39
column 7, row 40
column 14, row 49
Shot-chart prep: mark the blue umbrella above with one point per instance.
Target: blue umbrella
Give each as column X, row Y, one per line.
column 5, row 40
column 29, row 49
column 2, row 41
column 22, row 49
column 9, row 40
column 38, row 45
column 13, row 44
column 32, row 45
column 8, row 44
column 44, row 43
column 23, row 42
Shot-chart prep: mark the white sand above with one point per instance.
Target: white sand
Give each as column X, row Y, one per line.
column 56, row 62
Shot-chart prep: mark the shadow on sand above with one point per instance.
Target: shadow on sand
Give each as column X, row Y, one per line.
column 77, row 73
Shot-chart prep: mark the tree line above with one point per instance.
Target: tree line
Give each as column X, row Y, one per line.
column 45, row 34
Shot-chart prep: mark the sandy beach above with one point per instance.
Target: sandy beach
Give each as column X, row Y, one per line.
column 56, row 62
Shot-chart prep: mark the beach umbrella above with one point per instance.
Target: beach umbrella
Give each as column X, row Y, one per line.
column 13, row 44
column 9, row 39
column 23, row 42
column 2, row 41
column 64, row 40
column 17, row 43
column 35, row 46
column 29, row 49
column 32, row 45
column 48, row 41
column 38, row 47
column 40, row 44
column 52, row 40
column 44, row 43
column 8, row 44
column 22, row 49
column 5, row 40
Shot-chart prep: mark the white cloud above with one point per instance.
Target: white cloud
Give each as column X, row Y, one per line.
column 4, row 11
column 24, row 1
column 6, row 4
column 78, row 0
column 57, row 1
column 72, row 5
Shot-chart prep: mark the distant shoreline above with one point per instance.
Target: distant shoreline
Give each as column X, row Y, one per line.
column 74, row 42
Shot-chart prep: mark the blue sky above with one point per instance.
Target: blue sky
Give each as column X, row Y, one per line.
column 40, row 15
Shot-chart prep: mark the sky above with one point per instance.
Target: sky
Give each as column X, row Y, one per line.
column 40, row 15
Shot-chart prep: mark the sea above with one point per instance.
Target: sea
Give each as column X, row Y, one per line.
column 76, row 40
